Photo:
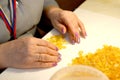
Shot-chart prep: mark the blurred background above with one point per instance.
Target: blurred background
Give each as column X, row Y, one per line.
column 69, row 4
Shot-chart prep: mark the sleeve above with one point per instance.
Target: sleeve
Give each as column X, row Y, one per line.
column 50, row 3
column 28, row 14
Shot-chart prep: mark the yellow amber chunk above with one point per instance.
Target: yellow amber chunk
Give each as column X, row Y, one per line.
column 106, row 59
column 58, row 40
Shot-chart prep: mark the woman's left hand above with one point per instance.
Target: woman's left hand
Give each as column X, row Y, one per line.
column 66, row 21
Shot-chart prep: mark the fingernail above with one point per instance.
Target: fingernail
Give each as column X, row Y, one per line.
column 59, row 54
column 76, row 35
column 57, row 49
column 78, row 39
column 59, row 58
column 85, row 34
column 63, row 31
column 73, row 42
column 54, row 64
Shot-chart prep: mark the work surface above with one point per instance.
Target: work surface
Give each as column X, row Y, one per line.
column 107, row 7
column 101, row 29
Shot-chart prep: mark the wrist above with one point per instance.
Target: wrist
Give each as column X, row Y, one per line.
column 2, row 66
column 50, row 10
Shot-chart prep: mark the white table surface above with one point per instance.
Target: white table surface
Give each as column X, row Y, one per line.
column 101, row 29
column 106, row 7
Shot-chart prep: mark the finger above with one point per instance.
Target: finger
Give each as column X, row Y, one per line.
column 75, row 37
column 41, row 42
column 60, row 27
column 43, row 64
column 46, row 58
column 82, row 28
column 38, row 65
column 46, row 50
column 73, row 31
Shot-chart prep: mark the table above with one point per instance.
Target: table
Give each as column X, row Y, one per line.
column 106, row 7
column 101, row 29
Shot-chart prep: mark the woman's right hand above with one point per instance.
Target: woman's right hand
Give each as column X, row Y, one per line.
column 29, row 52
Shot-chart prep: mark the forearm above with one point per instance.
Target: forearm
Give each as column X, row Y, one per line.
column 50, row 6
column 2, row 66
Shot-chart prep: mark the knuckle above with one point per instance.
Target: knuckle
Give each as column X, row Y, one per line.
column 46, row 58
column 62, row 15
column 43, row 57
column 47, row 51
column 46, row 43
column 40, row 57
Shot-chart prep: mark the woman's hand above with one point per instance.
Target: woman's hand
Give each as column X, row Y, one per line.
column 66, row 21
column 28, row 52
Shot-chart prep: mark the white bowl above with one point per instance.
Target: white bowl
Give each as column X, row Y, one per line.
column 79, row 72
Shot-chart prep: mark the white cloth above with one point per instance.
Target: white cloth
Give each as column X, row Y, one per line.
column 28, row 14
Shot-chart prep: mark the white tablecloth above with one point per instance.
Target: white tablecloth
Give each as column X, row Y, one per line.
column 107, row 7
